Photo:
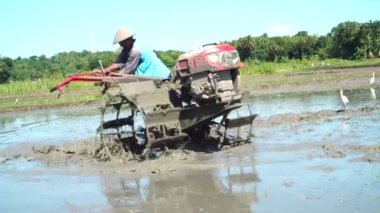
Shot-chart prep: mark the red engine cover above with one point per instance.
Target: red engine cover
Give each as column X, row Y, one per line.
column 200, row 60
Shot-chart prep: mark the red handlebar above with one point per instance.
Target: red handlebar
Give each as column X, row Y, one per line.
column 86, row 77
column 99, row 77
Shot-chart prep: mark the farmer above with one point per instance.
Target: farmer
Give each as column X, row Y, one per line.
column 133, row 60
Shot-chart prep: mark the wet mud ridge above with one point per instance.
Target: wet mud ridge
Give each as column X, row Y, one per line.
column 323, row 115
column 367, row 153
column 358, row 152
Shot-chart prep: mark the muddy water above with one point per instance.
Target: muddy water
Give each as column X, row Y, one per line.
column 312, row 102
column 315, row 166
column 50, row 193
column 49, row 126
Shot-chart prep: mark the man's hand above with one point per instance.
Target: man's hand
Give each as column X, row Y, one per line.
column 97, row 71
column 100, row 72
column 112, row 68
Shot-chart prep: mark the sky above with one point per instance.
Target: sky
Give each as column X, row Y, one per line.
column 48, row 27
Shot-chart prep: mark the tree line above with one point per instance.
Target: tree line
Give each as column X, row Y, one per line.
column 348, row 40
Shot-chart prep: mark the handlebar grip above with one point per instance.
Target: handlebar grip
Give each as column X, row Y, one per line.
column 53, row 89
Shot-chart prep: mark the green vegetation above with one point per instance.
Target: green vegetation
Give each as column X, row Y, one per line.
column 169, row 57
column 34, row 94
column 348, row 40
column 259, row 68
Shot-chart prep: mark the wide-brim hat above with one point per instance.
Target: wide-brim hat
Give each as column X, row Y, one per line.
column 122, row 34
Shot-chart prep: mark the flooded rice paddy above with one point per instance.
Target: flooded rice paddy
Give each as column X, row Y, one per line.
column 305, row 157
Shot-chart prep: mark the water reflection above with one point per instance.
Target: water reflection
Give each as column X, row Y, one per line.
column 227, row 188
column 238, row 179
column 188, row 193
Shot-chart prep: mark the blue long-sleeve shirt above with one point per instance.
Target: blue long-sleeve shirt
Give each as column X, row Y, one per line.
column 142, row 63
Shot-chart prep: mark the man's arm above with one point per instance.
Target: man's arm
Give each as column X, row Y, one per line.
column 126, row 62
column 132, row 62
column 112, row 68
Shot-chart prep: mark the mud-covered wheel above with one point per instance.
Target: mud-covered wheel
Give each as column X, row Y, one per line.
column 203, row 138
column 122, row 128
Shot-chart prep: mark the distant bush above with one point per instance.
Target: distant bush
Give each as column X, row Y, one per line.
column 6, row 65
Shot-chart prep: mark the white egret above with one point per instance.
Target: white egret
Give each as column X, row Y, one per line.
column 344, row 99
column 372, row 79
column 373, row 93
column 16, row 100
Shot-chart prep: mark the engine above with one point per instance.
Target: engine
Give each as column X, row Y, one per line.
column 209, row 74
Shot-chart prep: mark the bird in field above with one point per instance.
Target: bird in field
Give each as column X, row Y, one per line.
column 344, row 99
column 16, row 100
column 372, row 79
column 373, row 93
